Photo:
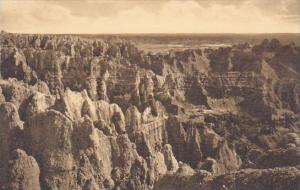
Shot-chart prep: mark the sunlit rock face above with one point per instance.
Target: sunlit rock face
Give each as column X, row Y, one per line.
column 82, row 113
column 23, row 172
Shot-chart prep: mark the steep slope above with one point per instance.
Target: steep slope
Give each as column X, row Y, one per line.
column 77, row 113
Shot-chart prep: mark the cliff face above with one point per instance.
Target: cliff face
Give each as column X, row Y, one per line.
column 275, row 178
column 91, row 114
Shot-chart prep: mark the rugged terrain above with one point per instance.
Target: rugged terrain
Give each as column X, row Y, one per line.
column 91, row 114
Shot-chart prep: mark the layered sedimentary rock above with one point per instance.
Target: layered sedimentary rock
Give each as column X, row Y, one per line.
column 201, row 147
column 79, row 113
column 275, row 178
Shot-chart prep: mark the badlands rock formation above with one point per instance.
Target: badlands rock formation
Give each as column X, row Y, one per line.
column 88, row 114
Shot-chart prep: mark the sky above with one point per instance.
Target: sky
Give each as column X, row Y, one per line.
column 150, row 16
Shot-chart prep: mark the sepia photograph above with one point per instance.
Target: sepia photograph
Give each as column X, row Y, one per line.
column 149, row 94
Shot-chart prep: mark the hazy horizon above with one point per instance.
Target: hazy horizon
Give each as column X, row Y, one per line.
column 150, row 17
column 160, row 33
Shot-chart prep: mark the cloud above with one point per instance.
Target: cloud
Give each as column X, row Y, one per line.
column 144, row 16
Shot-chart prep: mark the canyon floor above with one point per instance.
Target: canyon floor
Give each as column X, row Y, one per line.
column 95, row 113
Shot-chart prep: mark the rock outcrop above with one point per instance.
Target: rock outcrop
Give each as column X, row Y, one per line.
column 276, row 178
column 23, row 172
column 82, row 113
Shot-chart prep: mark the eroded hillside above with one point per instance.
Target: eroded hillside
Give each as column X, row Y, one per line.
column 93, row 114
